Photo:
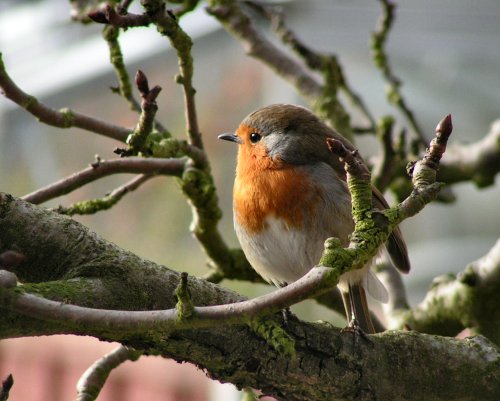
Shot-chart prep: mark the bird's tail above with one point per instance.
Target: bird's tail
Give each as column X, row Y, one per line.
column 356, row 307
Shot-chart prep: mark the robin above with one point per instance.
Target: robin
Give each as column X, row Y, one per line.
column 290, row 194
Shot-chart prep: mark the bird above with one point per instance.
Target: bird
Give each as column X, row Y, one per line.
column 290, row 194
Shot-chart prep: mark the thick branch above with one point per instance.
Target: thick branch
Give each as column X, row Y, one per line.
column 467, row 300
column 478, row 162
column 128, row 322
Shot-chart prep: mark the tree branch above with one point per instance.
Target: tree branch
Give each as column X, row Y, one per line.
column 110, row 34
column 381, row 60
column 196, row 182
column 64, row 118
column 96, row 205
column 328, row 106
column 103, row 168
column 168, row 320
column 5, row 388
column 238, row 23
column 424, row 173
column 90, row 384
column 467, row 300
column 478, row 162
column 167, row 25
column 383, row 171
column 364, row 244
column 137, row 140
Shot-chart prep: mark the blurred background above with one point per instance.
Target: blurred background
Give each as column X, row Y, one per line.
column 446, row 52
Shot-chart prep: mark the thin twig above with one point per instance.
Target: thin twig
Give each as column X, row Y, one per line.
column 370, row 232
column 197, row 183
column 108, row 15
column 424, row 173
column 381, row 60
column 5, row 388
column 327, row 64
column 382, row 173
column 64, row 118
column 137, row 140
column 110, row 34
column 237, row 22
column 188, row 5
column 131, row 165
column 167, row 25
column 97, row 205
column 91, row 382
column 398, row 301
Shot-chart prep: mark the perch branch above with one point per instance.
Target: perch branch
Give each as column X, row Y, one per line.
column 313, row 283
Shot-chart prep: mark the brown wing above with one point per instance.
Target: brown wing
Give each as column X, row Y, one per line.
column 395, row 244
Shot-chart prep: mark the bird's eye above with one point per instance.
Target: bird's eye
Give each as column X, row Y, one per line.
column 254, row 137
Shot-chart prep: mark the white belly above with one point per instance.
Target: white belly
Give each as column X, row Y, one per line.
column 281, row 254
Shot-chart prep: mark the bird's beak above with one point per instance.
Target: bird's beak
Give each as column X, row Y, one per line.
column 231, row 137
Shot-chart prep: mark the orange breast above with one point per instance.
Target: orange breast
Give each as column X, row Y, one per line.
column 265, row 187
